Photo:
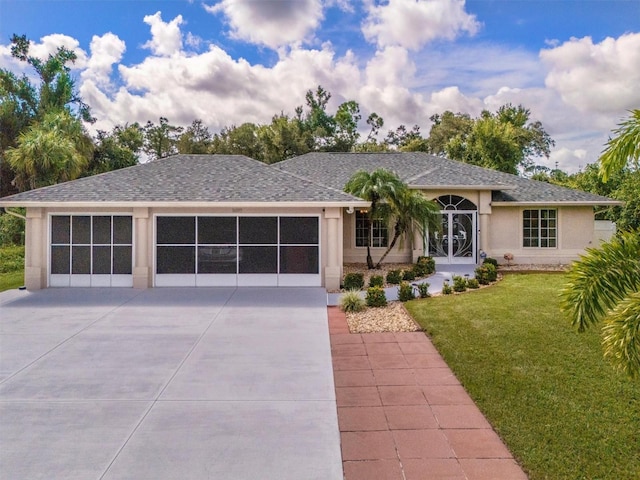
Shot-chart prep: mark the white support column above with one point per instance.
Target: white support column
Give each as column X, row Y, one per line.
column 142, row 249
column 333, row 269
column 35, row 270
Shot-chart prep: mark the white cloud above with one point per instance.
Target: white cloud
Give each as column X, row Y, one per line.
column 166, row 38
column 105, row 51
column 273, row 23
column 601, row 77
column 414, row 23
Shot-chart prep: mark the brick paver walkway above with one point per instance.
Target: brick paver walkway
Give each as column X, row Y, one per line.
column 403, row 414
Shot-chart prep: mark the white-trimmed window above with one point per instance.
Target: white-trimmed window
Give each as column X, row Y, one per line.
column 540, row 228
column 378, row 230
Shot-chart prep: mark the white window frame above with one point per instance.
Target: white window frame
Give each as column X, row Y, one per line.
column 378, row 232
column 542, row 233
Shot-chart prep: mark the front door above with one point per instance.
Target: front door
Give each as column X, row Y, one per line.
column 456, row 241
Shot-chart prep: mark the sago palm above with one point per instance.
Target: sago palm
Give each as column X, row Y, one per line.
column 604, row 286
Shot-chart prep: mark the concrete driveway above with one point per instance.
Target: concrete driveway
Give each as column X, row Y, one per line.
column 167, row 384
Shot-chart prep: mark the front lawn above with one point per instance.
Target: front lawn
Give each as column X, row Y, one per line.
column 561, row 409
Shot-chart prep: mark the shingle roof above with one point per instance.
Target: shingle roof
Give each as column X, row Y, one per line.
column 420, row 170
column 189, row 178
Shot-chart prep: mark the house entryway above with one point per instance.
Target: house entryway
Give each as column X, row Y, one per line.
column 456, row 241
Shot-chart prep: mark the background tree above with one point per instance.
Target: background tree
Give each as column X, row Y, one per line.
column 161, row 140
column 380, row 187
column 503, row 141
column 117, row 149
column 23, row 104
column 57, row 149
column 196, row 139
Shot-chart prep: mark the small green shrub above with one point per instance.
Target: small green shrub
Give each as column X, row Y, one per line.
column 11, row 229
column 423, row 290
column 486, row 273
column 446, row 288
column 352, row 301
column 491, row 261
column 353, row 281
column 394, row 277
column 11, row 258
column 405, row 292
column 376, row 297
column 408, row 275
column 459, row 283
column 472, row 283
column 376, row 281
column 424, row 266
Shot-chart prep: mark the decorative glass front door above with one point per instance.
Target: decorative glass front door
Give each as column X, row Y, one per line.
column 456, row 240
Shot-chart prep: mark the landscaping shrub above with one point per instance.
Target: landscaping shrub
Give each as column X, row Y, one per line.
column 472, row 283
column 394, row 277
column 11, row 259
column 405, row 292
column 376, row 297
column 424, row 266
column 491, row 261
column 11, row 230
column 423, row 290
column 486, row 273
column 376, row 281
column 446, row 288
column 353, row 281
column 351, row 301
column 459, row 283
column 408, row 275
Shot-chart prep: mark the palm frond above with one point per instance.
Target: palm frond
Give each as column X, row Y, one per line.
column 621, row 335
column 601, row 278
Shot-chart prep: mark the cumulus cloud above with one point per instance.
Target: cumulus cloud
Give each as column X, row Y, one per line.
column 601, row 77
column 414, row 23
column 48, row 45
column 105, row 52
column 166, row 38
column 273, row 23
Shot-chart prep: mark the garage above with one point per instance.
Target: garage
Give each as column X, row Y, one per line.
column 91, row 251
column 234, row 250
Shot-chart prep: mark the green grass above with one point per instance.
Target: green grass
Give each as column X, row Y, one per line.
column 11, row 267
column 561, row 409
column 11, row 280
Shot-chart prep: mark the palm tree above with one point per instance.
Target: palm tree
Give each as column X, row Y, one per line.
column 412, row 212
column 54, row 150
column 624, row 148
column 604, row 285
column 380, row 187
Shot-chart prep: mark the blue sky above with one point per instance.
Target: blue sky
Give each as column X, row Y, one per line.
column 574, row 64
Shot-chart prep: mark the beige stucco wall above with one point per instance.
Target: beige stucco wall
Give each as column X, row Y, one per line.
column 37, row 235
column 575, row 233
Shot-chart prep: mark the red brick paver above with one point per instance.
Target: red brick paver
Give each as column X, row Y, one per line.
column 403, row 414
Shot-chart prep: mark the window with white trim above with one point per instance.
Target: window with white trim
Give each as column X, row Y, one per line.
column 540, row 228
column 378, row 230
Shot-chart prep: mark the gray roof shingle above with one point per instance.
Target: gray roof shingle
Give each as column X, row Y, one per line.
column 421, row 170
column 189, row 178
